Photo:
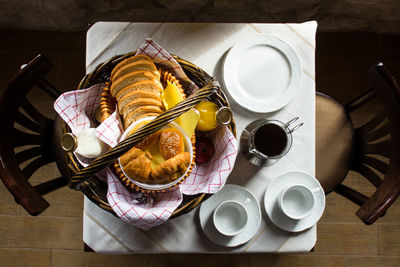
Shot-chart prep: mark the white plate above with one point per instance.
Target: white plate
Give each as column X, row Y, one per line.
column 275, row 188
column 230, row 192
column 262, row 73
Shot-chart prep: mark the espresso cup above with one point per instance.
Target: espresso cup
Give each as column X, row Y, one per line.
column 296, row 201
column 230, row 218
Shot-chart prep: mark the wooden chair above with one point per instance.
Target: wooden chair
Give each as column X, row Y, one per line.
column 372, row 150
column 32, row 136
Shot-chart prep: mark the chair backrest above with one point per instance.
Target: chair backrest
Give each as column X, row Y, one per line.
column 27, row 138
column 377, row 147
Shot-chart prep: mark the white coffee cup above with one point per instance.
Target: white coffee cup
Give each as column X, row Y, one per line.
column 230, row 218
column 297, row 201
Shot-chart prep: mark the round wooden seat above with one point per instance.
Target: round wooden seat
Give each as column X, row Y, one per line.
column 334, row 142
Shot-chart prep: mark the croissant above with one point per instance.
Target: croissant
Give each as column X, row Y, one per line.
column 137, row 164
column 132, row 154
column 170, row 169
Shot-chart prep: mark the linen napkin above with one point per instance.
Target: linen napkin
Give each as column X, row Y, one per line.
column 142, row 210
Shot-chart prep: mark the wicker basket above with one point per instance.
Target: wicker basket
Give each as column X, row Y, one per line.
column 95, row 189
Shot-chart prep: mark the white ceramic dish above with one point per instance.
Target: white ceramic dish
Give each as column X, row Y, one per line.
column 262, row 73
column 274, row 190
column 188, row 147
column 235, row 193
column 230, row 217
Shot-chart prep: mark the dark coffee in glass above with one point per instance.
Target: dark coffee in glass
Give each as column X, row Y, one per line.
column 270, row 139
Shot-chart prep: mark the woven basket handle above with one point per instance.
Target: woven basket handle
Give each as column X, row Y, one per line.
column 80, row 179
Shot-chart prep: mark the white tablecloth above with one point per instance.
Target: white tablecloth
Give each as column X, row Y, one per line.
column 205, row 44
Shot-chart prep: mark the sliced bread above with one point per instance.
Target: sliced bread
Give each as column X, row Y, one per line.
column 147, row 85
column 141, row 112
column 132, row 78
column 152, row 93
column 136, row 66
column 127, row 61
column 138, row 102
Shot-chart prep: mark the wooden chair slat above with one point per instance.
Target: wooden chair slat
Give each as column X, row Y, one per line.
column 33, row 166
column 22, row 138
column 380, row 132
column 351, row 194
column 48, row 88
column 381, row 148
column 375, row 163
column 26, row 122
column 370, row 175
column 28, row 154
column 34, row 113
column 49, row 186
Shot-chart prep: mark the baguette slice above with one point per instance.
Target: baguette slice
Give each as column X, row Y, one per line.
column 147, row 85
column 140, row 117
column 136, row 66
column 140, row 92
column 138, row 102
column 131, row 78
column 127, row 61
column 138, row 112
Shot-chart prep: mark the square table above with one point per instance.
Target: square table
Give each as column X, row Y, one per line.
column 205, row 44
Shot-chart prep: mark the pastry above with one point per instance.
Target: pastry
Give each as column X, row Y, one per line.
column 136, row 164
column 170, row 143
column 139, row 168
column 148, row 141
column 132, row 154
column 170, row 169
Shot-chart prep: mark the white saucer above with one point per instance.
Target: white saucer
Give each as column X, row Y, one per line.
column 272, row 194
column 262, row 73
column 230, row 192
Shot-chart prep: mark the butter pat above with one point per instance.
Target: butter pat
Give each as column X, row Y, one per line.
column 89, row 145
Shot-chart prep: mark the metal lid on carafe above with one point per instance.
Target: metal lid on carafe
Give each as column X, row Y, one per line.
column 224, row 116
column 69, row 142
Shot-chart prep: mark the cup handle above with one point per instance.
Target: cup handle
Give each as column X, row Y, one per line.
column 256, row 160
column 315, row 190
column 295, row 127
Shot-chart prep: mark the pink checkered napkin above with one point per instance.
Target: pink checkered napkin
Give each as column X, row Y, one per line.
column 211, row 177
column 76, row 108
column 144, row 216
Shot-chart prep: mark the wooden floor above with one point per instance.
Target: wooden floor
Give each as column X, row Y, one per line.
column 55, row 237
